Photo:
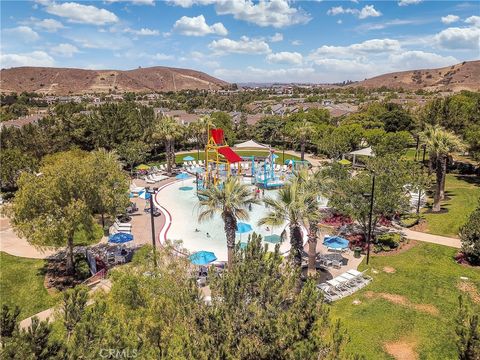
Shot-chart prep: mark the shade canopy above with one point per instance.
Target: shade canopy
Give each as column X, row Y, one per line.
column 365, row 152
column 273, row 239
column 202, row 257
column 344, row 162
column 336, row 242
column 182, row 176
column 144, row 195
column 243, row 228
column 120, row 238
column 143, row 167
column 250, row 144
column 188, row 158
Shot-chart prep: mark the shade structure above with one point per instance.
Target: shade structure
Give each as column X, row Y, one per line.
column 243, row 228
column 144, row 195
column 182, row 176
column 143, row 167
column 120, row 238
column 188, row 158
column 273, row 239
column 336, row 242
column 202, row 257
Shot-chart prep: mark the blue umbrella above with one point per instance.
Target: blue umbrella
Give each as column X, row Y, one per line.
column 131, row 195
column 120, row 238
column 336, row 242
column 202, row 257
column 182, row 176
column 289, row 162
column 144, row 195
column 188, row 158
column 274, row 238
column 275, row 156
column 243, row 228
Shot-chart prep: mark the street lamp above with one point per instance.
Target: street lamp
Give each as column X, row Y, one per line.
column 371, row 196
column 152, row 220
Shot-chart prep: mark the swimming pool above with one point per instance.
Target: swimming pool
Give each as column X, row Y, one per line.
column 181, row 211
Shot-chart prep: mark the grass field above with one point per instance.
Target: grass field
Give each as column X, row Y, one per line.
column 417, row 304
column 462, row 198
column 21, row 283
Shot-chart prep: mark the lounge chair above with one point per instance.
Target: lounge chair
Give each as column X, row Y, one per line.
column 120, row 228
column 136, row 189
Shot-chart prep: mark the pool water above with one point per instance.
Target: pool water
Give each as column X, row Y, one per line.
column 183, row 208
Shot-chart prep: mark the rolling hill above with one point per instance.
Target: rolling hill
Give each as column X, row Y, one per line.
column 464, row 76
column 62, row 81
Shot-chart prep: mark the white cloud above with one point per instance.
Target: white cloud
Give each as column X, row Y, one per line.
column 365, row 12
column 409, row 2
column 95, row 40
column 368, row 47
column 473, row 20
column 339, row 21
column 410, row 60
column 66, row 50
column 456, row 38
column 34, row 58
column 296, row 42
column 197, row 26
column 24, row 33
column 161, row 57
column 50, row 25
column 276, row 37
column 142, row 32
column 243, row 46
column 85, row 14
column 450, row 19
column 285, row 57
column 276, row 13
column 253, row 74
column 135, row 2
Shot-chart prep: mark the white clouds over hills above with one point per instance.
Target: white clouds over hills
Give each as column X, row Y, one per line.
column 197, row 26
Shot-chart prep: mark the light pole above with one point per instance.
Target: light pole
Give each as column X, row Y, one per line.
column 152, row 220
column 369, row 237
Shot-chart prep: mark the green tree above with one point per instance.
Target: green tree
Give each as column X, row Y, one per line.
column 231, row 201
column 440, row 144
column 8, row 322
column 133, row 152
column 300, row 132
column 14, row 162
column 224, row 121
column 290, row 206
column 468, row 333
column 73, row 306
column 470, row 236
column 168, row 130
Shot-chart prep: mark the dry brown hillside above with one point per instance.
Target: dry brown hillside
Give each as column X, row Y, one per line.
column 464, row 76
column 62, row 81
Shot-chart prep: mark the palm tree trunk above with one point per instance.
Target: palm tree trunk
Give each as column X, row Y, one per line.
column 230, row 228
column 172, row 151
column 70, row 264
column 438, row 185
column 296, row 243
column 443, row 164
column 167, row 154
column 312, row 248
column 302, row 150
column 432, row 158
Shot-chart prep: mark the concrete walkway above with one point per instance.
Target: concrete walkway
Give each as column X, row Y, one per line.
column 435, row 239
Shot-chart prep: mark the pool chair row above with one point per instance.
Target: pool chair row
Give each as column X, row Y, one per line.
column 193, row 163
column 153, row 178
column 344, row 285
column 122, row 227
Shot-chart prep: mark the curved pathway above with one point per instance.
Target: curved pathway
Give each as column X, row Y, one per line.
column 435, row 239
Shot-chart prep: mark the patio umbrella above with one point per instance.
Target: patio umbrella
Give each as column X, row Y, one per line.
column 144, row 195
column 345, row 162
column 143, row 167
column 273, row 239
column 243, row 228
column 188, row 158
column 183, row 176
column 275, row 156
column 336, row 242
column 289, row 162
column 202, row 257
column 120, row 238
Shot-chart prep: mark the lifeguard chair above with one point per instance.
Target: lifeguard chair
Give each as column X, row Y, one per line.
column 219, row 157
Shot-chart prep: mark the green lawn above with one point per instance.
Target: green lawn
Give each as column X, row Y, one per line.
column 462, row 198
column 179, row 157
column 425, row 274
column 21, row 283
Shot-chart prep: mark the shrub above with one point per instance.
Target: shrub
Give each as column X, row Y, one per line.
column 470, row 236
column 409, row 220
column 387, row 242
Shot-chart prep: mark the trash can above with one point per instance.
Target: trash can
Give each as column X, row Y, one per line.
column 356, row 252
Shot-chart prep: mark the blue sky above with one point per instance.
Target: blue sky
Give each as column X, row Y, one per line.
column 243, row 40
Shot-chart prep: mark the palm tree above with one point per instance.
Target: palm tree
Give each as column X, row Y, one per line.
column 231, row 201
column 440, row 143
column 301, row 132
column 289, row 206
column 168, row 130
